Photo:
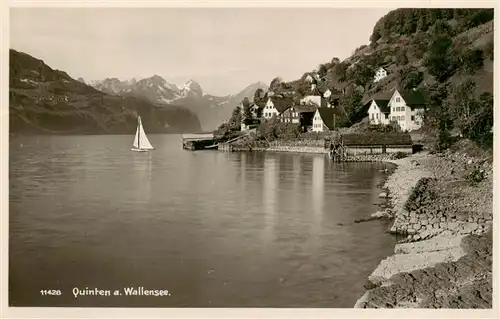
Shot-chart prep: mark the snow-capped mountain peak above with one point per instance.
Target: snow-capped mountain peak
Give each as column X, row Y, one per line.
column 191, row 87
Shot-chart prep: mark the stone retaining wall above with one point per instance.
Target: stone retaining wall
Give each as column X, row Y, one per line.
column 445, row 261
column 427, row 214
column 298, row 143
column 316, row 150
column 294, row 149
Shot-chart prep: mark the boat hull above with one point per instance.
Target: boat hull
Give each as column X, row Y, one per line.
column 139, row 150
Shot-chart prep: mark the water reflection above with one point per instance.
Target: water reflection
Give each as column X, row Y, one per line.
column 243, row 164
column 141, row 167
column 296, row 167
column 318, row 192
column 178, row 220
column 269, row 193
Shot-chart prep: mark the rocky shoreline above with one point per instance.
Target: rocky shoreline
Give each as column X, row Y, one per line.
column 445, row 261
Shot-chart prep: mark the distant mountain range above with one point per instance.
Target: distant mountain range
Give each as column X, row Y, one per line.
column 44, row 100
column 212, row 110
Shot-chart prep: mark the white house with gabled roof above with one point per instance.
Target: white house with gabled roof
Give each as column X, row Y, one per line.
column 407, row 109
column 327, row 93
column 379, row 75
column 269, row 109
column 379, row 112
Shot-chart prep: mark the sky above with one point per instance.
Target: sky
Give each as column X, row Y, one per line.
column 224, row 49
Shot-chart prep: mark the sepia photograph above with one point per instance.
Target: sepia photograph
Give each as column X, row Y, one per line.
column 249, row 157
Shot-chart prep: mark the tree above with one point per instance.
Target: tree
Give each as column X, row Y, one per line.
column 341, row 70
column 322, row 70
column 412, row 80
column 257, row 95
column 472, row 60
column 235, row 120
column 361, row 74
column 247, row 112
column 441, row 27
column 351, row 103
column 439, row 61
column 401, row 58
column 259, row 112
column 481, row 16
column 275, row 84
column 438, row 93
column 301, row 90
column 488, row 50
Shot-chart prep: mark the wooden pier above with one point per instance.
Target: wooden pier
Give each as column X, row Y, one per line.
column 198, row 141
column 205, row 141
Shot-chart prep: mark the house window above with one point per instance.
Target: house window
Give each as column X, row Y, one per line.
column 413, row 117
column 394, row 109
column 398, row 99
column 377, row 116
column 386, row 115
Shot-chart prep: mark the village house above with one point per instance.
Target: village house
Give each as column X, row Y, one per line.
column 325, row 119
column 316, row 96
column 276, row 105
column 311, row 100
column 254, row 111
column 291, row 115
column 306, row 115
column 327, row 93
column 379, row 112
column 379, row 75
column 407, row 109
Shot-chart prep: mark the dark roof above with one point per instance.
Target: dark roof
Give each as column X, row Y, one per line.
column 414, row 98
column 305, row 108
column 382, row 104
column 383, row 95
column 327, row 114
column 376, row 138
column 282, row 103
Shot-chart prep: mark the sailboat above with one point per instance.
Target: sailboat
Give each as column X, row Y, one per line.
column 141, row 142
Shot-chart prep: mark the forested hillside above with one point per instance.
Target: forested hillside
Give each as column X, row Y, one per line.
column 448, row 53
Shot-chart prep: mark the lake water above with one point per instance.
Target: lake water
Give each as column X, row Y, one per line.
column 215, row 229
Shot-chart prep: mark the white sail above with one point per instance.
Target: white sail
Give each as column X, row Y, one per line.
column 136, row 139
column 141, row 141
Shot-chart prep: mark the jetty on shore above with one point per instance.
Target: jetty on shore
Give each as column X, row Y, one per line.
column 203, row 141
column 198, row 141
